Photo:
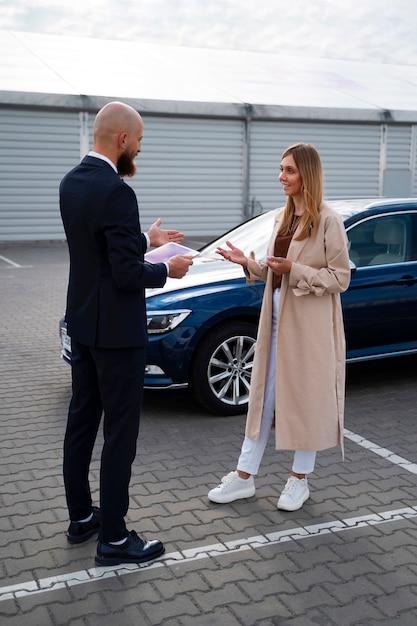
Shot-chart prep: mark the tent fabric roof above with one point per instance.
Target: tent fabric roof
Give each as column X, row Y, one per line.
column 41, row 65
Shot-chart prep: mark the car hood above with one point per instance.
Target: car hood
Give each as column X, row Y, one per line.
column 204, row 271
column 210, row 268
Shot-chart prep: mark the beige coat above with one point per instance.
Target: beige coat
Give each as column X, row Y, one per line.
column 310, row 379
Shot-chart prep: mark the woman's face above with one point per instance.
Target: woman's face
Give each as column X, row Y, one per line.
column 290, row 177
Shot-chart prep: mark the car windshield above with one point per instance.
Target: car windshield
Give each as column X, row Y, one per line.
column 252, row 236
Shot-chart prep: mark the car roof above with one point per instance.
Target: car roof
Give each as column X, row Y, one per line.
column 349, row 207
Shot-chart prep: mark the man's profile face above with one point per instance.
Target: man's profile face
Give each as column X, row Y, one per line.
column 126, row 165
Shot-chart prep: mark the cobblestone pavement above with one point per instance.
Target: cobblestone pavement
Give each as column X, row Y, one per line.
column 349, row 557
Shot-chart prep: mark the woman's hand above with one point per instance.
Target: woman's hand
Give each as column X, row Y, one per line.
column 233, row 254
column 279, row 265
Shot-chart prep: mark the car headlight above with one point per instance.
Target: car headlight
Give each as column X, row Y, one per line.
column 164, row 321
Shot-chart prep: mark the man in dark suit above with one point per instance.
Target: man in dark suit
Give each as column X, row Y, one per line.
column 106, row 320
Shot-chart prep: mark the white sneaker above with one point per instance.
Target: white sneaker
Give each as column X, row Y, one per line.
column 294, row 495
column 232, row 488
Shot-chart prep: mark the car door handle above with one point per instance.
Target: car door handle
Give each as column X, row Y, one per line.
column 406, row 280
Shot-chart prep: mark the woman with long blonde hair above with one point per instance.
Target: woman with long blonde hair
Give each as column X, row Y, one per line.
column 299, row 368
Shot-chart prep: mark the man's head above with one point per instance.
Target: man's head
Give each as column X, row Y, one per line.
column 118, row 132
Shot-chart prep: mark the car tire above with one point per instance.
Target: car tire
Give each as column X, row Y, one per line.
column 222, row 368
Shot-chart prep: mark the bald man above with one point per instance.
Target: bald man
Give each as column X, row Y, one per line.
column 106, row 320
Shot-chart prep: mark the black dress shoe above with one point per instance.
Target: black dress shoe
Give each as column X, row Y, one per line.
column 133, row 550
column 78, row 532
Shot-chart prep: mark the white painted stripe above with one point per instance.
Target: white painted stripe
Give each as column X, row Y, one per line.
column 384, row 452
column 9, row 261
column 63, row 581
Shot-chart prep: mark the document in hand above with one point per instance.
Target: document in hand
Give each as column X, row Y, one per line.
column 165, row 252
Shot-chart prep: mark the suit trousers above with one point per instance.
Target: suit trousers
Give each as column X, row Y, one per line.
column 252, row 451
column 106, row 382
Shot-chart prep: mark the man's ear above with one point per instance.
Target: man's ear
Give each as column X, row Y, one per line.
column 122, row 138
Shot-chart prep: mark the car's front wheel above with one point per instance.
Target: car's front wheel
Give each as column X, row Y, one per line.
column 222, row 368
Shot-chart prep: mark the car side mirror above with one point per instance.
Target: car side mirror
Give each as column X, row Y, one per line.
column 352, row 266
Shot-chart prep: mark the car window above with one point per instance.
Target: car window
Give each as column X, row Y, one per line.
column 381, row 240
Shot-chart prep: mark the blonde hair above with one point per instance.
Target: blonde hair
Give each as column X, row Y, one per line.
column 308, row 163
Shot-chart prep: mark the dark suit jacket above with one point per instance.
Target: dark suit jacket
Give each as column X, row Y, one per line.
column 108, row 275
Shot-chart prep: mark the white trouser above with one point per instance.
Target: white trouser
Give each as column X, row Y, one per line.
column 252, row 451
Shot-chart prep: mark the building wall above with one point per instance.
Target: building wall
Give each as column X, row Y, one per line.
column 36, row 149
column 190, row 173
column 400, row 160
column 201, row 174
column 350, row 156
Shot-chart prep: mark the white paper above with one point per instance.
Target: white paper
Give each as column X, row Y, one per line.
column 165, row 252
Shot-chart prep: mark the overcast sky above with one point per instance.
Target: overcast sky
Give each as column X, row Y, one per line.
column 380, row 31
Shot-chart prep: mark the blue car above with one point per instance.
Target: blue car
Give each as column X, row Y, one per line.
column 202, row 329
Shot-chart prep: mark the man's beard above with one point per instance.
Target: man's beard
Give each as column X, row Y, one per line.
column 126, row 165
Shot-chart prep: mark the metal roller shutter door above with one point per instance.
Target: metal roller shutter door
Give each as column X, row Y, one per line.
column 37, row 149
column 414, row 162
column 350, row 155
column 399, row 160
column 190, row 174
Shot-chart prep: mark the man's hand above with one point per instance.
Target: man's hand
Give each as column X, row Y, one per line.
column 179, row 265
column 158, row 236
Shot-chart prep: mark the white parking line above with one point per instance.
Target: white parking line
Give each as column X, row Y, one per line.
column 62, row 581
column 384, row 452
column 9, row 261
column 217, row 550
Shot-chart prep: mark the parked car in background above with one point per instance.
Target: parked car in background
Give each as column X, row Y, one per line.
column 202, row 329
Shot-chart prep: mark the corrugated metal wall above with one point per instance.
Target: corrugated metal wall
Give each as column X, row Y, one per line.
column 414, row 162
column 350, row 155
column 399, row 160
column 190, row 174
column 192, row 170
column 36, row 150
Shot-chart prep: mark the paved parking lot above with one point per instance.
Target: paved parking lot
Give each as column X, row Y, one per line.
column 349, row 557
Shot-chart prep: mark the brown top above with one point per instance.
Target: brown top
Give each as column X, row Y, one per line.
column 282, row 243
